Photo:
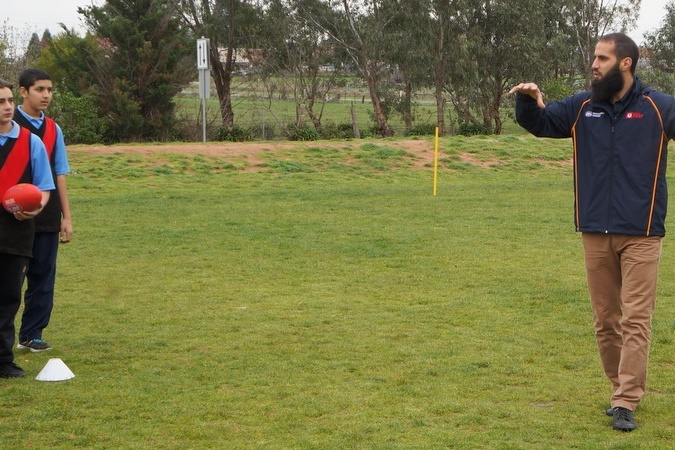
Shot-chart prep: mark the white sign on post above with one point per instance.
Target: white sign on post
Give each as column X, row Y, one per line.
column 203, row 54
column 203, row 66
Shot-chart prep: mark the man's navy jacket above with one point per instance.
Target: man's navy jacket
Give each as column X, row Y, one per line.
column 620, row 153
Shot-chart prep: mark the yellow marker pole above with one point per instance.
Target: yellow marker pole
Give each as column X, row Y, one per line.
column 436, row 162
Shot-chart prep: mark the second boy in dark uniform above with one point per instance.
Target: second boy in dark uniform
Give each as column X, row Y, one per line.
column 54, row 223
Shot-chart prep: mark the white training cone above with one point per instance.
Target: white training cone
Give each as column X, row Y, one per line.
column 55, row 370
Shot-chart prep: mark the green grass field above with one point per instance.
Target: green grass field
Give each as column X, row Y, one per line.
column 328, row 300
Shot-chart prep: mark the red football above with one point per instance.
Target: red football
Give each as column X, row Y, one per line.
column 22, row 197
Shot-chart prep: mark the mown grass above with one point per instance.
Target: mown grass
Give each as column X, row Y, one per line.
column 328, row 300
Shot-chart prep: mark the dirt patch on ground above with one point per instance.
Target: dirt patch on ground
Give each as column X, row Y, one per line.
column 253, row 156
column 422, row 151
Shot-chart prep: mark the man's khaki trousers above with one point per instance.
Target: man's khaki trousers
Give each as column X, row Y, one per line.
column 622, row 272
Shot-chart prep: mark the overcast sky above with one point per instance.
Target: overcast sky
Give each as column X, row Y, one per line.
column 37, row 15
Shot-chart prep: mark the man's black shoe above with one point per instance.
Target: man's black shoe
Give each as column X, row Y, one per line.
column 623, row 419
column 11, row 370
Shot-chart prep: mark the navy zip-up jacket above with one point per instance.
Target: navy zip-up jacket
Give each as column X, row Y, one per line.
column 620, row 153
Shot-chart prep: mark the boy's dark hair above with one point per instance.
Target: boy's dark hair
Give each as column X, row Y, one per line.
column 6, row 84
column 624, row 47
column 30, row 76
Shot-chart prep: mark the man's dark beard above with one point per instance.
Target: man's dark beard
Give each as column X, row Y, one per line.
column 603, row 89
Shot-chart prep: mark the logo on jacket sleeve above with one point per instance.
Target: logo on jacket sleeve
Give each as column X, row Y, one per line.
column 634, row 115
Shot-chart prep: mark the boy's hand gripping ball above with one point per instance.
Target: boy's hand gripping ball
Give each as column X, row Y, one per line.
column 22, row 197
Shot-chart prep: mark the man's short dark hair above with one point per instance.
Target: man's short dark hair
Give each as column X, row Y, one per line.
column 624, row 47
column 30, row 76
column 6, row 84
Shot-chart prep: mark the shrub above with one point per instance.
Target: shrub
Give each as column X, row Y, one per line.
column 78, row 118
column 305, row 133
column 374, row 130
column 473, row 129
column 337, row 131
column 234, row 134
column 422, row 129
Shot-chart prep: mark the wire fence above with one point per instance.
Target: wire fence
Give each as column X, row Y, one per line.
column 275, row 115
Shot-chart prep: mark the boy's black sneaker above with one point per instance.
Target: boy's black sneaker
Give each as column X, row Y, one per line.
column 11, row 370
column 34, row 345
column 623, row 419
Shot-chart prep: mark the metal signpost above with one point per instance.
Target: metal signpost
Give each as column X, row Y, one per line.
column 203, row 66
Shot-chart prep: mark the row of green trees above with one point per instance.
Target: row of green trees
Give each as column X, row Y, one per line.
column 120, row 80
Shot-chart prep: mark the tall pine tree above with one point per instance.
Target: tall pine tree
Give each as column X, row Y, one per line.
column 145, row 48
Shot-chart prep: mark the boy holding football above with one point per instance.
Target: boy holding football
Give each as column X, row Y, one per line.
column 23, row 159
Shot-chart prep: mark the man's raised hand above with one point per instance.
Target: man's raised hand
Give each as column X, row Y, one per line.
column 530, row 89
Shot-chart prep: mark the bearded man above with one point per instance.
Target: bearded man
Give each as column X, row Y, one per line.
column 620, row 132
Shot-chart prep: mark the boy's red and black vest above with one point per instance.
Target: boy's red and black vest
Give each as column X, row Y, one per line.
column 16, row 236
column 49, row 220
